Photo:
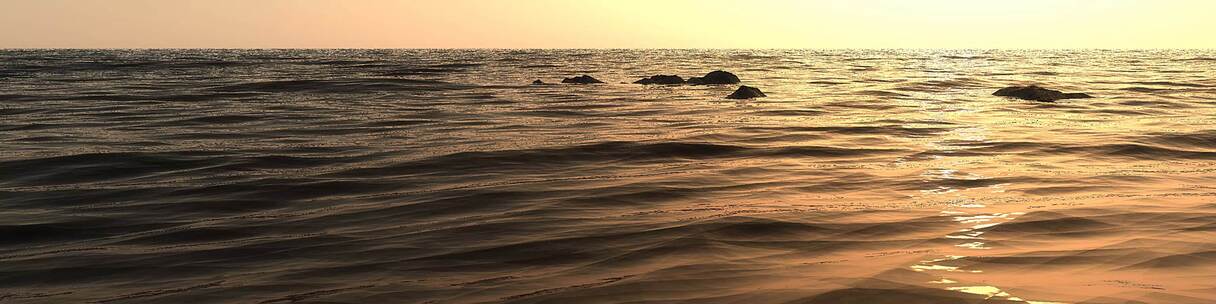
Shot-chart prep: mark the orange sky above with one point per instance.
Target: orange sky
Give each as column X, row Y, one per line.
column 607, row 24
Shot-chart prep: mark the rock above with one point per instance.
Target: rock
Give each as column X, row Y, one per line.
column 1037, row 93
column 661, row 79
column 538, row 82
column 746, row 92
column 715, row 77
column 582, row 80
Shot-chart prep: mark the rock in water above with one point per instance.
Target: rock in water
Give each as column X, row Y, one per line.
column 582, row 80
column 746, row 92
column 1037, row 93
column 538, row 82
column 715, row 77
column 661, row 79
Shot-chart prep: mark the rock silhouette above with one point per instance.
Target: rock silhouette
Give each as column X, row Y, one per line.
column 746, row 92
column 582, row 80
column 538, row 82
column 1037, row 93
column 661, row 79
column 715, row 77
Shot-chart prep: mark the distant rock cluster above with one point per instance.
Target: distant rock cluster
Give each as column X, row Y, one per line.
column 715, row 77
column 712, row 78
column 582, row 80
column 1031, row 92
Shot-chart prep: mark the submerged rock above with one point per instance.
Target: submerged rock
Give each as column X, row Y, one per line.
column 538, row 82
column 1037, row 93
column 715, row 77
column 746, row 92
column 661, row 79
column 582, row 80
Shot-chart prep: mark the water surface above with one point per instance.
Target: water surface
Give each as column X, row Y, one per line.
column 429, row 176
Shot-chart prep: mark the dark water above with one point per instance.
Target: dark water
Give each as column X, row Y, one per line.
column 416, row 176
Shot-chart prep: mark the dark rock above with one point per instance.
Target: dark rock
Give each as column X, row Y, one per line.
column 1037, row 93
column 538, row 82
column 715, row 77
column 746, row 92
column 582, row 80
column 661, row 79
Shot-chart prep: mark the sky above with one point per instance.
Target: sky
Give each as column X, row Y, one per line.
column 822, row 24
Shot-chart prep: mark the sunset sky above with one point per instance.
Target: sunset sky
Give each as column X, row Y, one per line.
column 607, row 24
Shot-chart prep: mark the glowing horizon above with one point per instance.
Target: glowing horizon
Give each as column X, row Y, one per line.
column 827, row 24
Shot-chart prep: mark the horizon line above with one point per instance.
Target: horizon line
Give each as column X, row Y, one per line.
column 592, row 48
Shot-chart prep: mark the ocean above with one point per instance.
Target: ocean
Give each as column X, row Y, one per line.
column 443, row 176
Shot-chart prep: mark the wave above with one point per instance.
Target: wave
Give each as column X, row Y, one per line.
column 18, row 97
column 1170, row 84
column 36, row 233
column 1155, row 147
column 1131, row 150
column 347, row 86
column 540, row 66
column 1053, row 226
column 790, row 112
column 217, row 119
column 894, row 130
column 438, row 69
column 94, row 167
column 825, row 82
column 607, row 152
column 134, row 66
column 1203, row 140
column 881, row 93
column 1197, row 59
column 1146, row 90
column 966, row 57
column 935, row 86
